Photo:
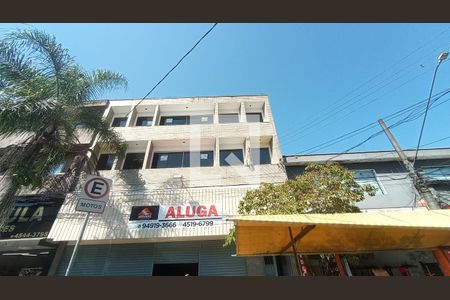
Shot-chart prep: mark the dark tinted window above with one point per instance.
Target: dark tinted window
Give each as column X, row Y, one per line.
column 167, row 160
column 205, row 119
column 254, row 117
column 144, row 121
column 231, row 157
column 178, row 120
column 105, row 162
column 229, row 118
column 182, row 159
column 198, row 159
column 260, row 156
column 119, row 122
column 134, row 161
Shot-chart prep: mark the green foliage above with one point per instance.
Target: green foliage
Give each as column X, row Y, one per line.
column 322, row 188
column 43, row 96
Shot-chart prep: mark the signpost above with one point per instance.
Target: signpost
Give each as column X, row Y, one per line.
column 93, row 197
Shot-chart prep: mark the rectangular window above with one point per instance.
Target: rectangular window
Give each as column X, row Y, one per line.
column 254, row 118
column 260, row 156
column 368, row 177
column 228, row 118
column 436, row 173
column 231, row 157
column 105, row 162
column 119, row 122
column 133, row 161
column 183, row 159
column 167, row 160
column 205, row 119
column 178, row 120
column 144, row 121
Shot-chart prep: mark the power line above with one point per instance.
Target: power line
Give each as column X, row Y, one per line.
column 370, row 80
column 173, row 68
column 441, row 58
column 371, row 125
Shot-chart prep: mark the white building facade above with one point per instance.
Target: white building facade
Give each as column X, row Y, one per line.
column 188, row 164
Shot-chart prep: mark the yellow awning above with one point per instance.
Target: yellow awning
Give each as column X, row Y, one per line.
column 342, row 233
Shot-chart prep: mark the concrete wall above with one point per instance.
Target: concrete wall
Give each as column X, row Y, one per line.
column 392, row 176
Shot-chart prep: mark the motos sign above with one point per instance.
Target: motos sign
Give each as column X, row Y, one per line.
column 170, row 216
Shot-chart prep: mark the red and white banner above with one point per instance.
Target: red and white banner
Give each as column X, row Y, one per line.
column 175, row 216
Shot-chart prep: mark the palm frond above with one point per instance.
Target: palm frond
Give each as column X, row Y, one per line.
column 43, row 50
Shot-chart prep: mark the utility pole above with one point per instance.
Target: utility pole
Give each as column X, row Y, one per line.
column 420, row 186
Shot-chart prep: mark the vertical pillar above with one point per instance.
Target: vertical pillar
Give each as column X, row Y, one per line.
column 443, row 258
column 243, row 116
column 147, row 155
column 131, row 116
column 216, row 113
column 217, row 153
column 155, row 121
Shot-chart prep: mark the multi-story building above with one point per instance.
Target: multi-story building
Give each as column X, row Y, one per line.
column 188, row 163
column 395, row 191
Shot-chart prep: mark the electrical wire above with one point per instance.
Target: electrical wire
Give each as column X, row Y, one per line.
column 173, row 68
column 376, row 76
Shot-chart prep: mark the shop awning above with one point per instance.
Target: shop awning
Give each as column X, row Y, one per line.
column 342, row 233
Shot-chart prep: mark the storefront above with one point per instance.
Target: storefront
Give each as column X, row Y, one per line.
column 387, row 243
column 24, row 249
column 160, row 232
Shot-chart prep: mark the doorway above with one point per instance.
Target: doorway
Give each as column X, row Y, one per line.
column 175, row 269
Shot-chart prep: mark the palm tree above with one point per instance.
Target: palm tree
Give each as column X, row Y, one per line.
column 43, row 98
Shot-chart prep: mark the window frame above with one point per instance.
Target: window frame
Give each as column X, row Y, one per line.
column 235, row 149
column 163, row 118
column 269, row 152
column 447, row 178
column 380, row 185
column 255, row 113
column 110, row 155
column 125, row 159
column 229, row 114
column 112, row 123
column 156, row 155
column 142, row 117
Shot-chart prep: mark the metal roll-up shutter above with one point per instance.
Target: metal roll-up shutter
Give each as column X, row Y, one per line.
column 216, row 260
column 130, row 259
column 111, row 260
column 176, row 252
column 90, row 261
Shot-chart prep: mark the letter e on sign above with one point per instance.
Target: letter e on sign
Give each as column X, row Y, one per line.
column 96, row 188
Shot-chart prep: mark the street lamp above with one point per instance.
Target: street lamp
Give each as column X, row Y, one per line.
column 443, row 56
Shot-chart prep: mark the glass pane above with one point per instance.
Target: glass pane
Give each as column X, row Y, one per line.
column 368, row 177
column 260, row 156
column 231, row 157
column 144, row 121
column 254, row 117
column 105, row 162
column 229, row 118
column 198, row 159
column 205, row 119
column 437, row 173
column 178, row 120
column 134, row 161
column 119, row 122
column 167, row 160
